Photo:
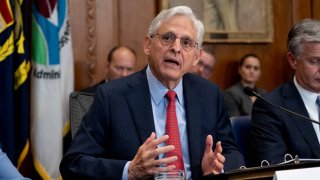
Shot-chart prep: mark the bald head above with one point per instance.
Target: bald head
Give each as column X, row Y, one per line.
column 121, row 62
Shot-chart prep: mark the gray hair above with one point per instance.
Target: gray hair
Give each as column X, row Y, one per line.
column 165, row 15
column 307, row 30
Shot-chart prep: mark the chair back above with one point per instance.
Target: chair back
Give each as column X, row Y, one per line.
column 241, row 126
column 79, row 104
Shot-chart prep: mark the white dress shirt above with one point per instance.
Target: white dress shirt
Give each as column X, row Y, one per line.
column 309, row 99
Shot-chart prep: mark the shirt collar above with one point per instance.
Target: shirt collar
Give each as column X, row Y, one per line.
column 305, row 94
column 158, row 90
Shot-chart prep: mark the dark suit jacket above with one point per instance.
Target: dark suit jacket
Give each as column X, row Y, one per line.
column 121, row 119
column 237, row 102
column 276, row 132
column 93, row 88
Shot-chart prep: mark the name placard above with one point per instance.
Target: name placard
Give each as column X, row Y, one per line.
column 303, row 173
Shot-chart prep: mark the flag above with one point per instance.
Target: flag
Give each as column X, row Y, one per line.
column 14, row 81
column 51, row 84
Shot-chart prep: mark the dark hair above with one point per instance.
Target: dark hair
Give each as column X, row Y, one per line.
column 246, row 56
column 111, row 52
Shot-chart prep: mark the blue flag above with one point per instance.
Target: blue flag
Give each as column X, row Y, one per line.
column 14, row 81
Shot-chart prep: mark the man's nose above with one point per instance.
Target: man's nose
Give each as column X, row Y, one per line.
column 124, row 72
column 176, row 45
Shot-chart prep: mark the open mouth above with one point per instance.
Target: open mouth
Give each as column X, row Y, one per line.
column 172, row 61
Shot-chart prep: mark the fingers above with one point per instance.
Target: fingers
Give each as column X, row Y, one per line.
column 218, row 147
column 164, row 169
column 151, row 142
column 160, row 140
column 218, row 153
column 219, row 158
column 144, row 164
column 150, row 149
column 209, row 144
column 164, row 150
column 150, row 139
column 152, row 146
column 165, row 160
column 219, row 161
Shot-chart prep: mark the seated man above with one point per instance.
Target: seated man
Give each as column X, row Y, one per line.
column 205, row 65
column 158, row 119
column 277, row 133
column 120, row 63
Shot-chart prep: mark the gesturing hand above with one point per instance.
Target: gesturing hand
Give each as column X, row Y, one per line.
column 212, row 161
column 145, row 164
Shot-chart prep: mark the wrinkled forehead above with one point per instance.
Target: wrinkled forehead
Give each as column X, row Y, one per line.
column 178, row 24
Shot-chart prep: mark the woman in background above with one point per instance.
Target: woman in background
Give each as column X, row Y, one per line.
column 237, row 102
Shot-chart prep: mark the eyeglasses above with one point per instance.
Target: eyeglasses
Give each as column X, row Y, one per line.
column 169, row 38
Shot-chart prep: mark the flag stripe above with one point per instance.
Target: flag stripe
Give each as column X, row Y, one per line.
column 23, row 155
column 7, row 48
column 21, row 74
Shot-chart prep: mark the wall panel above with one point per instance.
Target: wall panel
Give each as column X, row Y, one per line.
column 126, row 22
column 94, row 27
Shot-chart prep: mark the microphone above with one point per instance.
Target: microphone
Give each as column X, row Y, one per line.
column 251, row 92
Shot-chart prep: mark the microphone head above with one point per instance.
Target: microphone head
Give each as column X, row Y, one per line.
column 248, row 91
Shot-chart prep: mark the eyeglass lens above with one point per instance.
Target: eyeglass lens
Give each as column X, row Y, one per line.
column 169, row 38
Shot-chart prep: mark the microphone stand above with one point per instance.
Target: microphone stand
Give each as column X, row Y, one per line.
column 250, row 92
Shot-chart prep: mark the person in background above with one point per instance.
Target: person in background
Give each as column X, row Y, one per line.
column 7, row 169
column 205, row 65
column 120, row 63
column 276, row 133
column 159, row 119
column 238, row 103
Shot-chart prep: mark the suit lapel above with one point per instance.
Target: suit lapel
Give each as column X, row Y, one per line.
column 138, row 98
column 294, row 102
column 193, row 109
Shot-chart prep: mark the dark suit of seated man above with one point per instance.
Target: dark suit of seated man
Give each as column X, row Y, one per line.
column 124, row 134
column 277, row 133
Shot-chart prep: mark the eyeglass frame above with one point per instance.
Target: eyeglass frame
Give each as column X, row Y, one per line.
column 195, row 44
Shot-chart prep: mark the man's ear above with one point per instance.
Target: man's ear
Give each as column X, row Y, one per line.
column 197, row 56
column 292, row 60
column 147, row 45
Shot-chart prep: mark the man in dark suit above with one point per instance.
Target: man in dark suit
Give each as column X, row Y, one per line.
column 205, row 65
column 123, row 135
column 277, row 133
